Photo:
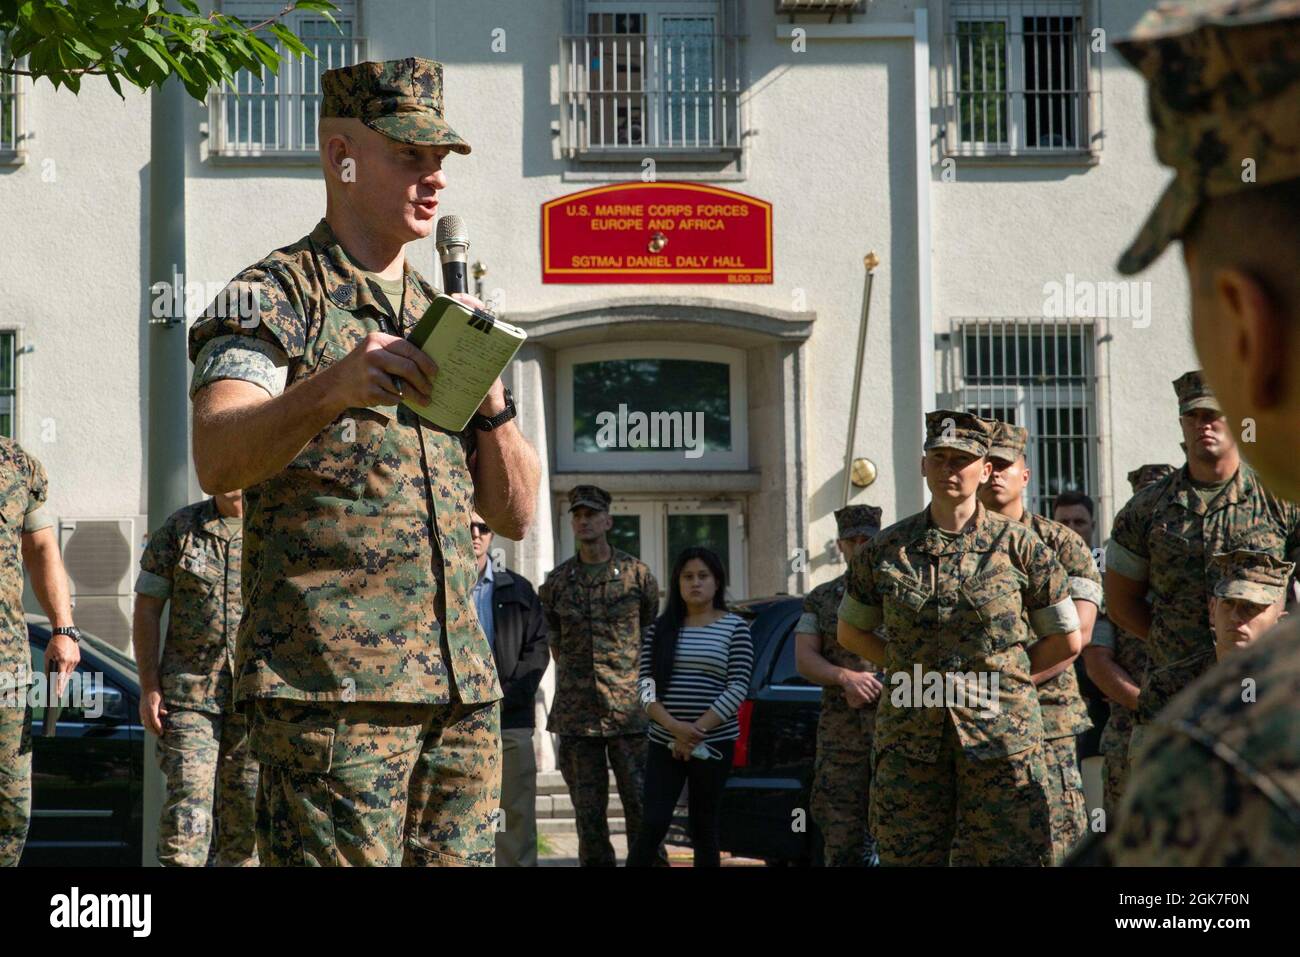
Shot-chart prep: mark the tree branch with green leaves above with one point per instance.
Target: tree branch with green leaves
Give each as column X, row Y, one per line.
column 142, row 42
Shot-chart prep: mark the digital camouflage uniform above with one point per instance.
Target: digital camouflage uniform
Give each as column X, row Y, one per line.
column 23, row 488
column 375, row 717
column 1165, row 536
column 841, row 788
column 1065, row 713
column 193, row 561
column 959, row 784
column 1129, row 652
column 595, row 628
column 1220, row 783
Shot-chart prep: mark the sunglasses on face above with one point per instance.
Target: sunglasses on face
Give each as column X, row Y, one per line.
column 480, row 527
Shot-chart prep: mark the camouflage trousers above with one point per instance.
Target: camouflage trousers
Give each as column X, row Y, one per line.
column 1066, row 803
column 15, row 779
column 840, row 796
column 211, row 790
column 1114, row 771
column 376, row 783
column 961, row 810
column 582, row 762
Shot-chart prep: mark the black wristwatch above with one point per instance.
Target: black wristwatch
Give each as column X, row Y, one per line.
column 486, row 424
column 72, row 631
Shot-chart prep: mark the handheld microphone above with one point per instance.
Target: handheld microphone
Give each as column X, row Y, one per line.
column 452, row 241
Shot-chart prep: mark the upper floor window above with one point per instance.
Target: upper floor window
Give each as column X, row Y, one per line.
column 11, row 115
column 650, row 76
column 267, row 114
column 1020, row 78
column 634, row 407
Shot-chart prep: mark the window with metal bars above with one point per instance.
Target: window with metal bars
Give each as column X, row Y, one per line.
column 11, row 117
column 659, row 76
column 266, row 114
column 1020, row 78
column 8, row 381
column 1039, row 374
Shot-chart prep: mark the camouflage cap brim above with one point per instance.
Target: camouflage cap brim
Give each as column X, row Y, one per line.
column 1167, row 222
column 419, row 129
column 977, row 449
column 1199, row 402
column 588, row 503
column 1004, row 454
column 1256, row 592
column 857, row 530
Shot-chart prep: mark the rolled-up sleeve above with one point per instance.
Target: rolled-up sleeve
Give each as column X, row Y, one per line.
column 1058, row 619
column 37, row 519
column 241, row 357
column 155, row 586
column 1127, row 563
column 1085, row 589
column 807, row 624
column 860, row 615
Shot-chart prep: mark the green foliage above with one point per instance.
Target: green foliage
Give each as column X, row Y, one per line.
column 142, row 42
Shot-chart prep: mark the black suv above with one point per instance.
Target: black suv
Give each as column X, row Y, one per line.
column 767, row 796
column 87, row 765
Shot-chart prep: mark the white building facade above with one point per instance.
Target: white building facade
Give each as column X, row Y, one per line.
column 996, row 156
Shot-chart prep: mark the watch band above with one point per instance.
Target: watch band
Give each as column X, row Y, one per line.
column 487, row 423
column 72, row 631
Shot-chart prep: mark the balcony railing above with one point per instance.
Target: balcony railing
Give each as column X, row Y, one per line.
column 265, row 114
column 633, row 93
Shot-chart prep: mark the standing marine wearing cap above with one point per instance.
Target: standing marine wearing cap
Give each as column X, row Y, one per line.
column 1224, row 88
column 1162, row 541
column 1249, row 597
column 372, row 689
column 1065, row 714
column 597, row 604
column 1116, row 660
column 841, row 788
column 967, row 596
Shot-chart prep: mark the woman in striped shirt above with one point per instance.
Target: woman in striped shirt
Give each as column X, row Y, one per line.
column 696, row 659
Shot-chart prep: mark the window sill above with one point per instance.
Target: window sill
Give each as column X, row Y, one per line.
column 633, row 155
column 13, row 157
column 662, row 482
column 286, row 158
column 1078, row 158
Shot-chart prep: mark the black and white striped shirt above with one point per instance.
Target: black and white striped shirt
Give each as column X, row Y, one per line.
column 711, row 669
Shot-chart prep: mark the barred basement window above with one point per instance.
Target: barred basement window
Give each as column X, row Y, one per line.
column 8, row 381
column 1040, row 374
column 1020, row 78
column 266, row 114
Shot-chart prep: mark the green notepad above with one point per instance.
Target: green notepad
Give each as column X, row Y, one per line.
column 471, row 349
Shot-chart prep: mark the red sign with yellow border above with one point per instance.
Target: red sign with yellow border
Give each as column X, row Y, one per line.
column 657, row 232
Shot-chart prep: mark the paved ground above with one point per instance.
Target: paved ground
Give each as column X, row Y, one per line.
column 563, row 852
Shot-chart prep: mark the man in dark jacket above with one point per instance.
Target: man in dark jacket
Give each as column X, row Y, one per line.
column 512, row 619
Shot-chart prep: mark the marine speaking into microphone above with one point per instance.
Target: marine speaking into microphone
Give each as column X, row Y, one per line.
column 452, row 241
column 368, row 680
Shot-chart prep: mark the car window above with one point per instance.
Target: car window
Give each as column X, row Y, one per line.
column 784, row 671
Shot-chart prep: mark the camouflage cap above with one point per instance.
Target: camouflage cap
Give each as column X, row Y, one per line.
column 1224, row 87
column 854, row 520
column 1250, row 576
column 400, row 98
column 589, row 496
column 946, row 429
column 1009, row 441
column 1145, row 475
column 1194, row 393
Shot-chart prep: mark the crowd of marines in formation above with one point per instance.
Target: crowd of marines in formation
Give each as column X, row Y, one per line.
column 346, row 662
